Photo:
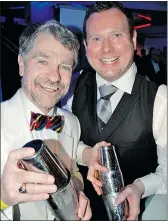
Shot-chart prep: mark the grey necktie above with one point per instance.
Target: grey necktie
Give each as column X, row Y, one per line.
column 104, row 106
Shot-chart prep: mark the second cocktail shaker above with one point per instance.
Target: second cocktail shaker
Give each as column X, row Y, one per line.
column 113, row 184
column 64, row 202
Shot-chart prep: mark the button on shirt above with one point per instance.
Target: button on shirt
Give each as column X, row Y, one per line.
column 153, row 182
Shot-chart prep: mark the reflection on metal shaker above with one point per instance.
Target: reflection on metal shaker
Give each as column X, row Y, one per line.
column 64, row 202
column 113, row 184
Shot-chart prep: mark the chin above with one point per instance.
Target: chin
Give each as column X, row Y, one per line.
column 109, row 76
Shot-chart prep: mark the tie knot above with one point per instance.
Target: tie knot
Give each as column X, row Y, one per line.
column 107, row 90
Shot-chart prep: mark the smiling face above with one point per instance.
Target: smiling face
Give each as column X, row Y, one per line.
column 109, row 46
column 46, row 71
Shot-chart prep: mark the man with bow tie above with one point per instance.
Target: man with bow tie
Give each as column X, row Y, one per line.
column 47, row 57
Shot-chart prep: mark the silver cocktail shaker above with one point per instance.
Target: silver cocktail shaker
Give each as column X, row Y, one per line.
column 64, row 202
column 113, row 184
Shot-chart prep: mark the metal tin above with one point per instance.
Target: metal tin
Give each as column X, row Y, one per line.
column 64, row 202
column 113, row 183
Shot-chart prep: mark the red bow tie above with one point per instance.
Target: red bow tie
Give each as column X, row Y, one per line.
column 39, row 121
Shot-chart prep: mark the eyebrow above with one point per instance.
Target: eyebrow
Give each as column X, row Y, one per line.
column 93, row 35
column 111, row 31
column 41, row 54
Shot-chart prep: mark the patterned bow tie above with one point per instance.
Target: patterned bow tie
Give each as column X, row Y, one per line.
column 39, row 121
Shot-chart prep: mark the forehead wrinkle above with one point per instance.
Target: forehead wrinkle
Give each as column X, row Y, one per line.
column 41, row 54
column 67, row 62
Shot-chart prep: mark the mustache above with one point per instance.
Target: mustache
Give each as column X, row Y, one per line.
column 50, row 84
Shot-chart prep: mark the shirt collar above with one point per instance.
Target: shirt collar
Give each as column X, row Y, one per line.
column 155, row 64
column 124, row 83
column 30, row 107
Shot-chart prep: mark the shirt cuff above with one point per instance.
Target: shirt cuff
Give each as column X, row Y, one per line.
column 80, row 149
column 151, row 184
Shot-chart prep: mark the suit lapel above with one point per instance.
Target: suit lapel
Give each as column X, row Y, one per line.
column 91, row 96
column 39, row 211
column 123, row 108
column 65, row 142
column 19, row 128
column 16, row 134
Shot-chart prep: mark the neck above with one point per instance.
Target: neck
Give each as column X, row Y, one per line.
column 43, row 109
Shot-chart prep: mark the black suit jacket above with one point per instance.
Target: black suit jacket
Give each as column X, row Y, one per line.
column 146, row 68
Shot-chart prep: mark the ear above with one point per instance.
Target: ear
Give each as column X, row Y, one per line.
column 134, row 39
column 21, row 65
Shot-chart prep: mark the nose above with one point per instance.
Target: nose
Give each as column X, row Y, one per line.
column 108, row 45
column 53, row 74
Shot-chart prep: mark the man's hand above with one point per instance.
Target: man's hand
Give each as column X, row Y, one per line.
column 38, row 185
column 133, row 194
column 84, row 210
column 91, row 158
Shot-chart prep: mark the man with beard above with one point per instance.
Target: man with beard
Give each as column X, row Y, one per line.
column 47, row 57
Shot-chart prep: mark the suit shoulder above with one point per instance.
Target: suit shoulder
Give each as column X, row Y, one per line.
column 4, row 106
column 3, row 103
column 10, row 105
column 84, row 77
column 162, row 91
column 148, row 82
column 5, row 113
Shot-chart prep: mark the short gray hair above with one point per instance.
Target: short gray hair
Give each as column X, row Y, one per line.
column 53, row 27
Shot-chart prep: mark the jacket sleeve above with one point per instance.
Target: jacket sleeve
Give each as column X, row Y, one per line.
column 156, row 183
column 80, row 148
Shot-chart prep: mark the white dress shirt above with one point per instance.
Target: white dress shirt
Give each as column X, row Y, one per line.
column 153, row 182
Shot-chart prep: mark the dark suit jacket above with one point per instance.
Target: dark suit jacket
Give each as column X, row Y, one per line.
column 146, row 68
